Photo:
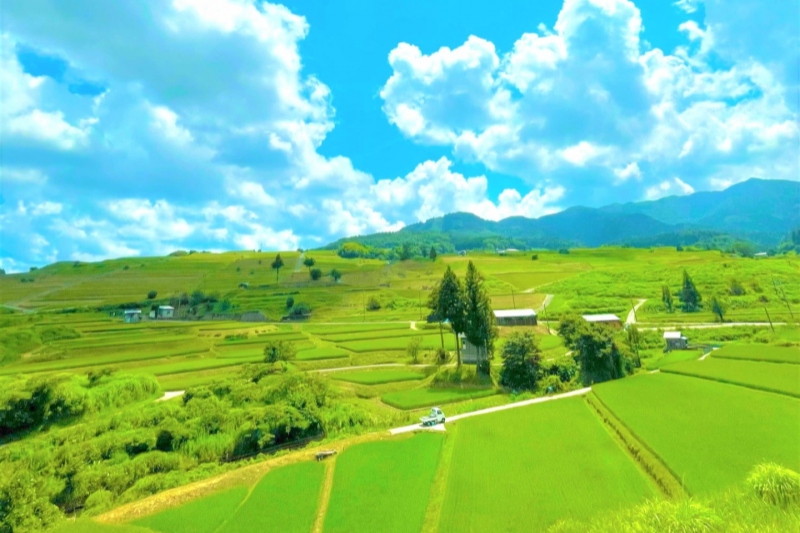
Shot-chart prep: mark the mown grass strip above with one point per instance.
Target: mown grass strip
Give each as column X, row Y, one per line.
column 666, row 480
column 428, row 397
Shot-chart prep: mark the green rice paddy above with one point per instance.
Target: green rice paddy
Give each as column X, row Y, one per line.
column 772, row 377
column 377, row 377
column 526, row 468
column 199, row 516
column 759, row 352
column 709, row 434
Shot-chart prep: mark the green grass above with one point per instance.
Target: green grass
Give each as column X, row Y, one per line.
column 378, row 335
column 759, row 352
column 674, row 356
column 198, row 516
column 523, row 469
column 710, row 434
column 321, row 353
column 284, row 500
column 86, row 525
column 416, row 398
column 772, row 377
column 377, row 377
column 109, row 359
column 429, row 341
column 383, row 486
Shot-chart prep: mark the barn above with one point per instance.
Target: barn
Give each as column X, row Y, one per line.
column 469, row 352
column 608, row 319
column 675, row 341
column 165, row 311
column 515, row 317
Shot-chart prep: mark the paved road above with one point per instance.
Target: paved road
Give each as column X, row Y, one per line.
column 456, row 418
column 710, row 325
column 632, row 314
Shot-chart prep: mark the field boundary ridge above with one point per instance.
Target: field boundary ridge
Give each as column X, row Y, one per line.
column 732, row 382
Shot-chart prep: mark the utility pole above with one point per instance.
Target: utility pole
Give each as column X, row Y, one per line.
column 513, row 301
column 782, row 295
column 547, row 322
column 633, row 308
column 769, row 320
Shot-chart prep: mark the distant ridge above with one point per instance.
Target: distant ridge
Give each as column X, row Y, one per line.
column 757, row 210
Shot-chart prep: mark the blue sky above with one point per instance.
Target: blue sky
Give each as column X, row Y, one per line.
column 134, row 128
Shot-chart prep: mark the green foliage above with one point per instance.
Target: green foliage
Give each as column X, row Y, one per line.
column 432, row 254
column 315, row 274
column 775, row 485
column 479, row 321
column 413, row 348
column 598, row 355
column 309, row 262
column 275, row 351
column 151, row 295
column 58, row 333
column 520, row 362
column 300, row 310
column 719, row 307
column 569, row 329
column 373, row 304
column 277, row 265
column 666, row 298
column 289, row 302
column 535, row 257
column 335, row 275
column 446, row 300
column 735, row 288
column 689, row 297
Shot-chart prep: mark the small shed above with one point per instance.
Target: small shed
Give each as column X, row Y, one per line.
column 469, row 352
column 515, row 317
column 131, row 316
column 165, row 311
column 675, row 341
column 607, row 319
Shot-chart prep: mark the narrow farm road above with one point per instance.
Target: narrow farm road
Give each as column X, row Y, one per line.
column 168, row 395
column 547, row 299
column 414, row 325
column 298, row 266
column 710, row 325
column 415, row 427
column 632, row 313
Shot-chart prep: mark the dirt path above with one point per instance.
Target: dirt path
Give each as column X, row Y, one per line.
column 298, row 266
column 456, row 418
column 632, row 313
column 325, row 495
column 414, row 325
column 168, row 395
column 547, row 299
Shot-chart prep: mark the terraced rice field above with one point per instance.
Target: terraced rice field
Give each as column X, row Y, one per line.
column 772, row 377
column 709, row 434
column 398, row 343
column 524, row 469
column 428, row 397
column 199, row 516
column 383, row 486
column 313, row 354
column 759, row 352
column 377, row 377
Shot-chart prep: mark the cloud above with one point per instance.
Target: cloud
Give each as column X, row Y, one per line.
column 688, row 6
column 582, row 103
column 674, row 187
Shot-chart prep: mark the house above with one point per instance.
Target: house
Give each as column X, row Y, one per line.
column 515, row 317
column 607, row 319
column 131, row 316
column 469, row 352
column 675, row 341
column 760, row 254
column 165, row 311
column 462, row 252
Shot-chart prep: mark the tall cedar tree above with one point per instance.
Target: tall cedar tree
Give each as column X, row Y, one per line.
column 598, row 355
column 447, row 303
column 480, row 327
column 666, row 298
column 432, row 254
column 520, row 362
column 309, row 262
column 718, row 307
column 569, row 328
column 690, row 298
column 277, row 265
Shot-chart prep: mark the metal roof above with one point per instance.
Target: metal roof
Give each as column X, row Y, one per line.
column 608, row 317
column 166, row 307
column 514, row 313
column 132, row 311
column 672, row 334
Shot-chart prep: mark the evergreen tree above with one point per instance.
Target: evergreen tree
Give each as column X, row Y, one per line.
column 569, row 328
column 432, row 254
column 520, row 362
column 599, row 357
column 690, row 298
column 666, row 298
column 277, row 265
column 309, row 262
column 447, row 303
column 480, row 328
column 718, row 307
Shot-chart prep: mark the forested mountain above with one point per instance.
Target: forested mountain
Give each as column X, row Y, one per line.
column 760, row 212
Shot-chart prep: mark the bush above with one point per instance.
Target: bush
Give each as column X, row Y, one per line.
column 564, row 251
column 775, row 484
column 152, row 295
column 441, row 356
column 289, row 302
column 315, row 273
column 535, row 257
column 552, row 384
column 300, row 309
column 373, row 304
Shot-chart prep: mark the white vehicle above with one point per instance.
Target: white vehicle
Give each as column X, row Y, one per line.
column 436, row 416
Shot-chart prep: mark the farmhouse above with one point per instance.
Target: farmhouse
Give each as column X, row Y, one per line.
column 165, row 311
column 675, row 341
column 607, row 319
column 469, row 352
column 131, row 316
column 515, row 317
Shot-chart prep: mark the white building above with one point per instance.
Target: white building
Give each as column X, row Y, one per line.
column 675, row 341
column 607, row 319
column 131, row 316
column 165, row 311
column 515, row 317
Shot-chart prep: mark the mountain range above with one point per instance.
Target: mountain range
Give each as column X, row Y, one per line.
column 761, row 212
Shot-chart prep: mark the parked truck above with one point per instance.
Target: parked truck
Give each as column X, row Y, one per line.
column 436, row 416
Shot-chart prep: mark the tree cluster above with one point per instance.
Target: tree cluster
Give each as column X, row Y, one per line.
column 597, row 353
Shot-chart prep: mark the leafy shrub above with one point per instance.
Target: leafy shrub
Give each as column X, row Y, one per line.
column 289, row 302
column 178, row 253
column 775, row 484
column 57, row 333
column 685, row 516
column 535, row 257
column 552, row 384
column 373, row 304
column 299, row 310
column 315, row 274
column 151, row 295
column 564, row 251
